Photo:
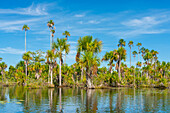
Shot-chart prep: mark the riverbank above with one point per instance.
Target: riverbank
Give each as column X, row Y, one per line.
column 36, row 85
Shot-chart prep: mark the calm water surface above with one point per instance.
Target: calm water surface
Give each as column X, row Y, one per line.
column 75, row 100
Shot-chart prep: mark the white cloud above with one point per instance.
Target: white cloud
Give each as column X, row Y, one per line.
column 143, row 22
column 15, row 25
column 10, row 50
column 72, row 42
column 79, row 15
column 80, row 22
column 34, row 10
column 93, row 22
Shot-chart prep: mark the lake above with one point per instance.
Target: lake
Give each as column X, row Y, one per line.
column 76, row 100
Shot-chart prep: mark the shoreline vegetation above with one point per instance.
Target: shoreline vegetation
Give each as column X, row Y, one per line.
column 39, row 69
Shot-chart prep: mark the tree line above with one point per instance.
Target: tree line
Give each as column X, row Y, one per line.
column 40, row 68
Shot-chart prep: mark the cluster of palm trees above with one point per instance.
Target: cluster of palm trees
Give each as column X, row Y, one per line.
column 38, row 67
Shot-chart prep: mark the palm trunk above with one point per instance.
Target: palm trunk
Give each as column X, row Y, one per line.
column 81, row 74
column 50, row 41
column 138, row 54
column 119, row 69
column 130, row 56
column 25, row 42
column 88, row 79
column 60, row 74
column 65, row 59
column 134, row 71
column 51, row 75
column 26, row 71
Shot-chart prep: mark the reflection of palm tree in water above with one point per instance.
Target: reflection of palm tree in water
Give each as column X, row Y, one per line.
column 61, row 108
column 120, row 99
column 89, row 94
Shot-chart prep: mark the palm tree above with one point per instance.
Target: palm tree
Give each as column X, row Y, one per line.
column 66, row 33
column 50, row 25
column 67, row 49
column 60, row 46
column 3, row 66
column 26, row 28
column 27, row 57
column 138, row 44
column 134, row 55
column 138, row 64
column 111, row 56
column 154, row 54
column 130, row 45
column 0, row 59
column 142, row 50
column 121, row 43
column 121, row 52
column 147, row 57
column 51, row 56
column 89, row 49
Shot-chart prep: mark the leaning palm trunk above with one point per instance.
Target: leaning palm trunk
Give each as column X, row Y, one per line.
column 119, row 69
column 60, row 74
column 51, row 74
column 88, row 79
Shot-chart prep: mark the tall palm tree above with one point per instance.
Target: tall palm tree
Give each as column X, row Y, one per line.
column 130, row 45
column 27, row 57
column 66, row 49
column 60, row 46
column 66, row 33
column 134, row 55
column 51, row 56
column 121, row 52
column 138, row 44
column 154, row 54
column 0, row 59
column 142, row 50
column 111, row 56
column 26, row 28
column 89, row 49
column 138, row 64
column 147, row 57
column 50, row 25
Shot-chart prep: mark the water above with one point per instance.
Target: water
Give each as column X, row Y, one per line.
column 76, row 100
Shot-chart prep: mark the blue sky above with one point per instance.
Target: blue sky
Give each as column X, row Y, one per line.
column 145, row 21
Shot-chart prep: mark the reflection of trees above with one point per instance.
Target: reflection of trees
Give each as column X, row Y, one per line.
column 2, row 94
column 119, row 101
column 90, row 100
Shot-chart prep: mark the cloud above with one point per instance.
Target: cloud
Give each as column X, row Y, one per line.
column 10, row 50
column 133, row 33
column 79, row 15
column 34, row 10
column 15, row 25
column 72, row 42
column 143, row 22
column 93, row 22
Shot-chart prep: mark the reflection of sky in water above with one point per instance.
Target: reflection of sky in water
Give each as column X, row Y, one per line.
column 78, row 100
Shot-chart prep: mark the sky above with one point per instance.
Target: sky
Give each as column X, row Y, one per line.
column 144, row 21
